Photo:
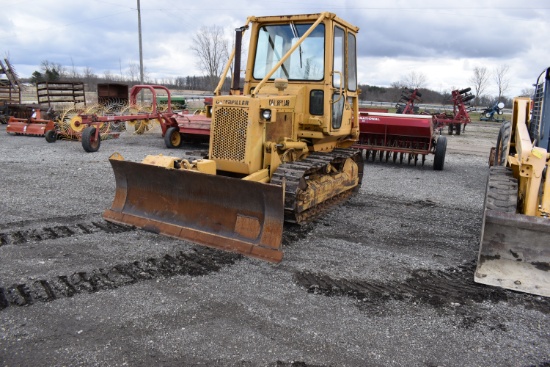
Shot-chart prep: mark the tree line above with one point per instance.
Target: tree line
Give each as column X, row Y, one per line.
column 51, row 72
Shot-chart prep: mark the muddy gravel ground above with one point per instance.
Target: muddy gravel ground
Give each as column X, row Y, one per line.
column 386, row 279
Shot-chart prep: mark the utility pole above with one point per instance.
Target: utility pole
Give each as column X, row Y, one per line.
column 140, row 49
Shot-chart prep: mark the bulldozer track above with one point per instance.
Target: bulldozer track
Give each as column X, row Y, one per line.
column 296, row 172
column 18, row 237
column 201, row 261
column 436, row 288
column 502, row 190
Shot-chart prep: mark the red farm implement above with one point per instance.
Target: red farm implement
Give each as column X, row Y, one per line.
column 455, row 121
column 458, row 120
column 405, row 105
column 93, row 127
column 192, row 127
column 34, row 125
column 396, row 136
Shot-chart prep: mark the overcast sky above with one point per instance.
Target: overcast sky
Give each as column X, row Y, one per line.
column 444, row 40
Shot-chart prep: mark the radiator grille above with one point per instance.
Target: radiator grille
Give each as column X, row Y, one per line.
column 229, row 129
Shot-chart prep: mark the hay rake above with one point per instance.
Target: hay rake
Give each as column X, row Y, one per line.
column 100, row 122
column 70, row 124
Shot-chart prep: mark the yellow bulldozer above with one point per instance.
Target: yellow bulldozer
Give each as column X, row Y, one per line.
column 280, row 147
column 515, row 241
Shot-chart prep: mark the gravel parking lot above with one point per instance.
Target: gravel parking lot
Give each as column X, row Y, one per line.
column 384, row 280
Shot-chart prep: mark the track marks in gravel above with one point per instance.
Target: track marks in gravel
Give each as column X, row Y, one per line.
column 19, row 237
column 293, row 364
column 439, row 289
column 201, row 261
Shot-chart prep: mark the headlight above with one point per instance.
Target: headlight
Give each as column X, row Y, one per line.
column 266, row 114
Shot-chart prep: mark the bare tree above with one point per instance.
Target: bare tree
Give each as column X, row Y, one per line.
column 133, row 71
column 479, row 81
column 211, row 49
column 120, row 70
column 528, row 92
column 53, row 71
column 398, row 85
column 146, row 76
column 414, row 80
column 74, row 73
column 108, row 75
column 502, row 79
column 90, row 78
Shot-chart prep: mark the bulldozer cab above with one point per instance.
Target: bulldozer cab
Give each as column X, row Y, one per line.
column 300, row 79
column 320, row 70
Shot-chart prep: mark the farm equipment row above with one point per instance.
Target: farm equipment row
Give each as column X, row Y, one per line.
column 383, row 135
column 409, row 135
column 98, row 122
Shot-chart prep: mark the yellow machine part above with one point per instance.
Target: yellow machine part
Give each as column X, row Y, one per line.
column 515, row 240
column 222, row 212
column 321, row 188
column 76, row 124
column 515, row 252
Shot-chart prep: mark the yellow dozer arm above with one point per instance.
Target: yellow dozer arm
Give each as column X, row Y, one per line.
column 515, row 240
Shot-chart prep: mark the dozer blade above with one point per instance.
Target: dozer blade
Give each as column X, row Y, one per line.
column 216, row 211
column 515, row 253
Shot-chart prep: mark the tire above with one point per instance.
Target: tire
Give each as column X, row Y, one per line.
column 458, row 128
column 450, row 129
column 440, row 150
column 503, row 144
column 51, row 136
column 172, row 138
column 89, row 142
